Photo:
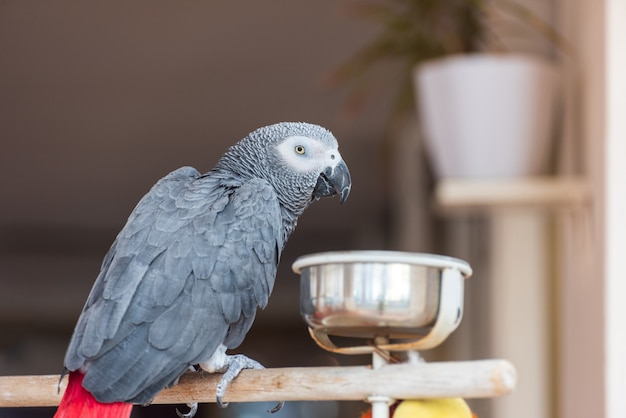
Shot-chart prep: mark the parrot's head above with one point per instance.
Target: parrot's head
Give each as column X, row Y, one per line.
column 300, row 160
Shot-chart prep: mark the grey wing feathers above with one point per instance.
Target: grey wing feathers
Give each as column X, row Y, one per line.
column 196, row 258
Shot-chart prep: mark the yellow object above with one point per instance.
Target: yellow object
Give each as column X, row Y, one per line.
column 433, row 408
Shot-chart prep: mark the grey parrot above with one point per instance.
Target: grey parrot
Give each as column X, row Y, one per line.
column 198, row 255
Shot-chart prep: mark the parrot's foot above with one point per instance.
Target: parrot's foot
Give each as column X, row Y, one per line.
column 236, row 364
column 231, row 366
column 193, row 408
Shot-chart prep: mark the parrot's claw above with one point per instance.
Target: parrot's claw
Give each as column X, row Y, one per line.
column 193, row 408
column 234, row 365
column 277, row 407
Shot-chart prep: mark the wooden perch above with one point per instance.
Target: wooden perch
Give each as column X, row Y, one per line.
column 470, row 379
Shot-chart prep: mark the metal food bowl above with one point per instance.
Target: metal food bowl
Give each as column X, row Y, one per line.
column 416, row 299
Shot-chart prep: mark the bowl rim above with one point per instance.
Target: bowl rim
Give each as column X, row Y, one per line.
column 378, row 256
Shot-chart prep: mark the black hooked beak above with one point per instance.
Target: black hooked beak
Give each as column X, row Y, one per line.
column 332, row 181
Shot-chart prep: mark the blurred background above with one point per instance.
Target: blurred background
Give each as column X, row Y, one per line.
column 100, row 100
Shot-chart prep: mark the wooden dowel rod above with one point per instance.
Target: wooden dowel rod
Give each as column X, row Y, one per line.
column 469, row 379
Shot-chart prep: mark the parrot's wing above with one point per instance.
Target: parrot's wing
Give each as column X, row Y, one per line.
column 186, row 274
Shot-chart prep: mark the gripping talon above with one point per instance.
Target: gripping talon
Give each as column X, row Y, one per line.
column 220, row 403
column 277, row 408
column 231, row 366
column 193, row 408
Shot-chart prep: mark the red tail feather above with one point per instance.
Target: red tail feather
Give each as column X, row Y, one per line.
column 78, row 403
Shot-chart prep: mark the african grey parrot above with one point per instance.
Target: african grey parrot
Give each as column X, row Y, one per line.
column 197, row 256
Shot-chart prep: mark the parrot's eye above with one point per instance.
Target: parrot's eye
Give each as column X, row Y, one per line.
column 300, row 149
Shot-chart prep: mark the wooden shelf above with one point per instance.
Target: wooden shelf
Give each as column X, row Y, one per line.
column 534, row 192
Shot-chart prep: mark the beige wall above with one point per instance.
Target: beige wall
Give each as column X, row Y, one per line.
column 592, row 350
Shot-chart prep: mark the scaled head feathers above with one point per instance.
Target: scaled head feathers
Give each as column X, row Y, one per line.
column 300, row 160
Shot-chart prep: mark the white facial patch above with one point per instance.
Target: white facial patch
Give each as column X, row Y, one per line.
column 307, row 154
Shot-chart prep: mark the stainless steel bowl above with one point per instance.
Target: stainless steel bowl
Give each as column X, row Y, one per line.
column 370, row 294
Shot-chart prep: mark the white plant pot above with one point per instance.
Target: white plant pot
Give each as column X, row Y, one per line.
column 487, row 115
